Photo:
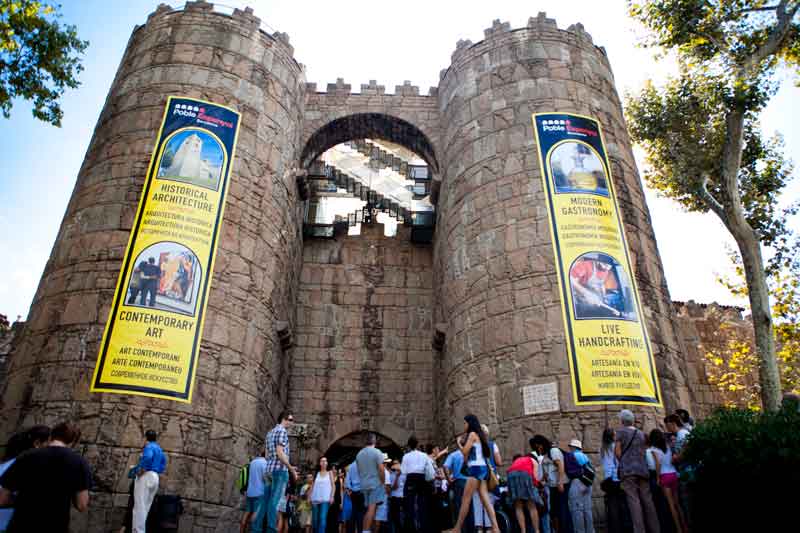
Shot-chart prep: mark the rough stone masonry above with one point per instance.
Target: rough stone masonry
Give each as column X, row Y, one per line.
column 362, row 310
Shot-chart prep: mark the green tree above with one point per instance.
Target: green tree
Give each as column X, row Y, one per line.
column 39, row 58
column 731, row 361
column 701, row 136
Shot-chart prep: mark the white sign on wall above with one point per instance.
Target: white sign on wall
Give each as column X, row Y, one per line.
column 540, row 398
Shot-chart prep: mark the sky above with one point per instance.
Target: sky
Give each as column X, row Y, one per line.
column 358, row 41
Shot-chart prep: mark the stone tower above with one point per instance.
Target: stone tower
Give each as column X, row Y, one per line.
column 363, row 310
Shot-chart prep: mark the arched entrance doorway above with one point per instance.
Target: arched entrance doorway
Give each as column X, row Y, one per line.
column 344, row 450
column 367, row 126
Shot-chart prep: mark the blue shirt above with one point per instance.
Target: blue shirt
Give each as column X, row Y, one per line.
column 609, row 461
column 153, row 459
column 353, row 481
column 5, row 514
column 454, row 463
column 255, row 477
column 580, row 457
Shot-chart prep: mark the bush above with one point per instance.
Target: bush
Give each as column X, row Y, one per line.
column 741, row 467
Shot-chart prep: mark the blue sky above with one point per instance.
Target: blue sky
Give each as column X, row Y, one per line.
column 211, row 150
column 356, row 40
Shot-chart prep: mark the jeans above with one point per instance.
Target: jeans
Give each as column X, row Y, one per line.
column 275, row 487
column 544, row 518
column 319, row 517
column 458, row 495
column 559, row 507
column 580, row 507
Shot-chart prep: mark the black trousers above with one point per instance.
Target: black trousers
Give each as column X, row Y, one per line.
column 396, row 513
column 417, row 495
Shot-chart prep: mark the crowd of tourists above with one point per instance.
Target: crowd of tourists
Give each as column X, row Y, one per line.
column 42, row 478
column 429, row 490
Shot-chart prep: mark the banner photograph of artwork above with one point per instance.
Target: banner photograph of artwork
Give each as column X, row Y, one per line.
column 152, row 339
column 610, row 357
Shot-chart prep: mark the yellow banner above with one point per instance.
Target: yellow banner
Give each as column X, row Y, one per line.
column 152, row 338
column 609, row 351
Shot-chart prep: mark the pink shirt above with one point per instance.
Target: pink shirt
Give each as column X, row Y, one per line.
column 523, row 464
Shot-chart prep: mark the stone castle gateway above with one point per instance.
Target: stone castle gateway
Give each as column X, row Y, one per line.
column 363, row 311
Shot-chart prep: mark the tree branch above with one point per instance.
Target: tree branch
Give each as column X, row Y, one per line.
column 762, row 8
column 712, row 203
column 776, row 36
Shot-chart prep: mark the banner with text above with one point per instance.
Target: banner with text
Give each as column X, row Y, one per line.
column 152, row 338
column 609, row 352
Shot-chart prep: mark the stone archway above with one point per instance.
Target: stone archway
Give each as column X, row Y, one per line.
column 343, row 450
column 369, row 125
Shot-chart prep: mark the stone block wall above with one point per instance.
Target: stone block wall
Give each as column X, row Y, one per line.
column 495, row 272
column 242, row 373
column 362, row 309
column 362, row 358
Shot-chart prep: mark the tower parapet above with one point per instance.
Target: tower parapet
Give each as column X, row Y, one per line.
column 494, row 263
column 242, row 377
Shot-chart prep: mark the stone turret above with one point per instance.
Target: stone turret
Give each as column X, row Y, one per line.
column 494, row 264
column 241, row 381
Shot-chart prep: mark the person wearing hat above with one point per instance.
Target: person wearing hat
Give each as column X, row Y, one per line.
column 382, row 512
column 580, row 494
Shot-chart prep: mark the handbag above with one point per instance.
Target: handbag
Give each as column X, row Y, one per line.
column 610, row 486
column 492, row 481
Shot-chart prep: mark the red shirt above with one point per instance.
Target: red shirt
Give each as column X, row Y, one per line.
column 523, row 464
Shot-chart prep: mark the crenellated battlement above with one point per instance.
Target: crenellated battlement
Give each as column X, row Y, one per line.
column 341, row 88
column 246, row 18
column 540, row 25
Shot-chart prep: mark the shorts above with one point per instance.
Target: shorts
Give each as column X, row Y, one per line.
column 252, row 504
column 669, row 481
column 282, row 504
column 305, row 518
column 382, row 512
column 480, row 472
column 371, row 496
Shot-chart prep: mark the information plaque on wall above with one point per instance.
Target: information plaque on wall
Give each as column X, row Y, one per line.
column 152, row 338
column 610, row 356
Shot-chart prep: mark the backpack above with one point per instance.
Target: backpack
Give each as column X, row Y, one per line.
column 587, row 474
column 243, row 478
column 571, row 466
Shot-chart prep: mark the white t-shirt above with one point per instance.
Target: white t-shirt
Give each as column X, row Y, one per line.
column 680, row 439
column 551, row 468
column 415, row 462
column 398, row 492
column 648, row 456
column 665, row 459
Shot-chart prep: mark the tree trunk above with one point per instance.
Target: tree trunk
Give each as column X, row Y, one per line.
column 758, row 293
column 750, row 247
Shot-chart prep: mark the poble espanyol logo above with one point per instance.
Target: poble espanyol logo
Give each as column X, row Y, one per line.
column 554, row 125
column 186, row 110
